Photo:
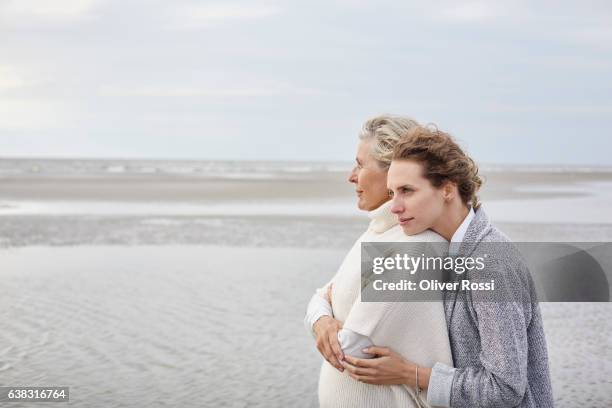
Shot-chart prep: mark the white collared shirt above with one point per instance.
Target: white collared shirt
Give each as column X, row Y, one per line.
column 457, row 239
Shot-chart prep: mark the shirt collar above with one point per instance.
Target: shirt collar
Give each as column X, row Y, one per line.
column 458, row 236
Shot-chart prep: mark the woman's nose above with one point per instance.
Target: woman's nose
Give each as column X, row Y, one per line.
column 396, row 207
column 353, row 176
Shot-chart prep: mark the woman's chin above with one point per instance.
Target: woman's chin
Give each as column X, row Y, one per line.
column 364, row 205
column 369, row 205
column 412, row 230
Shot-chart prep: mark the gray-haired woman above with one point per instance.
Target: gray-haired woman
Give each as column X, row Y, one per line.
column 341, row 323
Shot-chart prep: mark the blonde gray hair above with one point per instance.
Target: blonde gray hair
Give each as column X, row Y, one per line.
column 384, row 132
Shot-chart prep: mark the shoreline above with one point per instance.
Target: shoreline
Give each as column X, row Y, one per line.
column 314, row 185
column 258, row 231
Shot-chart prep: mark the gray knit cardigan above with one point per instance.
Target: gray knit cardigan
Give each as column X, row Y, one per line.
column 499, row 348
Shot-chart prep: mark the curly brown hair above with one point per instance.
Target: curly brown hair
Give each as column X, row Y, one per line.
column 442, row 160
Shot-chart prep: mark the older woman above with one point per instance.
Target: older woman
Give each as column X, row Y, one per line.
column 341, row 323
column 497, row 340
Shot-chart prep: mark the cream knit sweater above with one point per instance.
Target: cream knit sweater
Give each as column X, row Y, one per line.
column 417, row 331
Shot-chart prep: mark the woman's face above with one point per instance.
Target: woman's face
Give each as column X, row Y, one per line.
column 369, row 179
column 416, row 202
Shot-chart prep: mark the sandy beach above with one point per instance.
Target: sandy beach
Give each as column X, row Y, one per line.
column 200, row 326
column 162, row 326
column 188, row 288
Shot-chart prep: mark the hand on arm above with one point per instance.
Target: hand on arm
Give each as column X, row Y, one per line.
column 326, row 334
column 388, row 368
column 318, row 307
column 321, row 323
column 333, row 341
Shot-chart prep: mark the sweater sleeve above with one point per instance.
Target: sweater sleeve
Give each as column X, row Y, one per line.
column 500, row 380
column 317, row 308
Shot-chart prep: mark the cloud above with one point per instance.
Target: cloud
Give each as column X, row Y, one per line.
column 30, row 115
column 203, row 16
column 10, row 79
column 470, row 12
column 169, row 91
column 48, row 9
column 599, row 37
column 556, row 109
column 474, row 11
column 102, row 67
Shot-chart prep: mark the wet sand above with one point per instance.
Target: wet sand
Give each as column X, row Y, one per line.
column 190, row 289
column 199, row 326
column 498, row 185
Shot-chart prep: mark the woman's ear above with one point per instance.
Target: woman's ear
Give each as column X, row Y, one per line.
column 449, row 191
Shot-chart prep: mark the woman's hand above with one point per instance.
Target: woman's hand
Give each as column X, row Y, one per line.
column 326, row 332
column 389, row 368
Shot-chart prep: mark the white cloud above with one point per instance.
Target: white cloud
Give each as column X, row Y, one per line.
column 475, row 11
column 11, row 79
column 469, row 12
column 557, row 109
column 156, row 91
column 195, row 17
column 48, row 9
column 599, row 37
column 121, row 74
column 30, row 115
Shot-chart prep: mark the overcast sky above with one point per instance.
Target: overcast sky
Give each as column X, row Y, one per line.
column 294, row 80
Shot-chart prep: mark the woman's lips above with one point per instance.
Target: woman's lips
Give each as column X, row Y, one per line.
column 404, row 221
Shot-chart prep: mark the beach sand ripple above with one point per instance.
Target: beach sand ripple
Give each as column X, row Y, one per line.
column 211, row 326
